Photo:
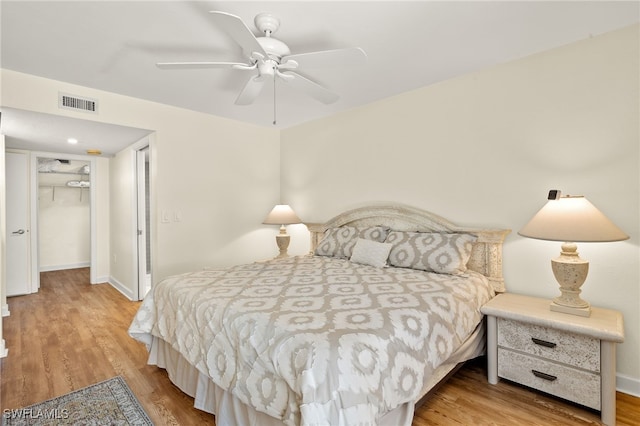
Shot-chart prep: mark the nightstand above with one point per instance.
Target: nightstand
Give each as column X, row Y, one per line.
column 568, row 356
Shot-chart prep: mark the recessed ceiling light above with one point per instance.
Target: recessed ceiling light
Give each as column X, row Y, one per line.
column 72, row 141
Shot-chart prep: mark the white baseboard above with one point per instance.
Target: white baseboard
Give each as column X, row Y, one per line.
column 101, row 280
column 3, row 351
column 121, row 288
column 63, row 267
column 5, row 310
column 628, row 385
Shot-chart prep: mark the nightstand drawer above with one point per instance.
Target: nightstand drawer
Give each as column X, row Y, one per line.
column 556, row 345
column 565, row 382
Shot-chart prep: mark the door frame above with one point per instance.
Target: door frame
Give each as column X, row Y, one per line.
column 138, row 214
column 141, row 224
column 35, row 247
column 3, row 298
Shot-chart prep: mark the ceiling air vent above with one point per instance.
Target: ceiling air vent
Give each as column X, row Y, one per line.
column 77, row 103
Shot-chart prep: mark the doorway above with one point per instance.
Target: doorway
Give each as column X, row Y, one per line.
column 64, row 214
column 57, row 213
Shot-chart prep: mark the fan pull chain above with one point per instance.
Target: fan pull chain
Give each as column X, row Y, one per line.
column 274, row 96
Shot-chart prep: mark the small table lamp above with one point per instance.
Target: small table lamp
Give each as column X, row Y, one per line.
column 282, row 215
column 571, row 219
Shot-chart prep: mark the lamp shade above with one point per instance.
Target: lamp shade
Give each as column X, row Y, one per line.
column 282, row 214
column 572, row 219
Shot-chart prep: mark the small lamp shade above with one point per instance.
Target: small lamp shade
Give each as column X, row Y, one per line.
column 571, row 219
column 282, row 215
column 574, row 219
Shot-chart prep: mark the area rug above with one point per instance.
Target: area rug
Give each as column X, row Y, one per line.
column 106, row 403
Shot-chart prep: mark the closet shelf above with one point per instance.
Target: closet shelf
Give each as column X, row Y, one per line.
column 64, row 173
column 63, row 186
column 54, row 186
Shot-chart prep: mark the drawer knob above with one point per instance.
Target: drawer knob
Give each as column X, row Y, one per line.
column 544, row 376
column 543, row 343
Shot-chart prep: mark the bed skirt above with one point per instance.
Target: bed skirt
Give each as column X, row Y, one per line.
column 230, row 411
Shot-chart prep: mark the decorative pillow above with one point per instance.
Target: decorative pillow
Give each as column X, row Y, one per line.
column 335, row 240
column 371, row 253
column 339, row 242
column 435, row 252
column 374, row 233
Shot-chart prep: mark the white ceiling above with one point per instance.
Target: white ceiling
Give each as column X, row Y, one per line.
column 114, row 45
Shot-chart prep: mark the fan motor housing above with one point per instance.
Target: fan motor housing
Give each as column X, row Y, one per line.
column 274, row 47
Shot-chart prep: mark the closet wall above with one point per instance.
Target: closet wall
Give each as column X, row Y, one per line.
column 64, row 230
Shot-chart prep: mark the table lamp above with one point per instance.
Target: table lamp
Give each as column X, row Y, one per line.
column 571, row 219
column 282, row 215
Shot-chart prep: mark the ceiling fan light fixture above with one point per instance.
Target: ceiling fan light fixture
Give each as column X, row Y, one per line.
column 267, row 67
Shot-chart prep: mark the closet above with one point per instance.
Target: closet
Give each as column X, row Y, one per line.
column 64, row 214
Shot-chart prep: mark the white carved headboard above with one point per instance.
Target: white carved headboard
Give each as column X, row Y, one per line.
column 486, row 256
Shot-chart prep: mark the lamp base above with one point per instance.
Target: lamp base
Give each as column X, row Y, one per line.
column 570, row 272
column 282, row 240
column 583, row 312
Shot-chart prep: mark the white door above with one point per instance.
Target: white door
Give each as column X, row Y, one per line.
column 18, row 238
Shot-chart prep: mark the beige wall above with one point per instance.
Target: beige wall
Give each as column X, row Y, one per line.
column 102, row 226
column 484, row 149
column 122, row 250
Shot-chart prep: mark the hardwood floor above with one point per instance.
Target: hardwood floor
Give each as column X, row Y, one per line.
column 72, row 334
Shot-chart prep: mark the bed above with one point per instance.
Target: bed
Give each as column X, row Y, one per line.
column 382, row 309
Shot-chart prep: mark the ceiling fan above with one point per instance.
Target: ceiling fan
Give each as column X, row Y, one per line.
column 272, row 58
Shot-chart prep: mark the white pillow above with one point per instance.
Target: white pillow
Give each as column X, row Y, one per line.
column 371, row 253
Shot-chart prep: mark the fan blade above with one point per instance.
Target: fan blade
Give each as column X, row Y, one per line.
column 311, row 88
column 197, row 65
column 250, row 91
column 329, row 58
column 238, row 30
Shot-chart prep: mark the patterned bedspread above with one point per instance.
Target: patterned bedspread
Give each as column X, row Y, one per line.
column 315, row 340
